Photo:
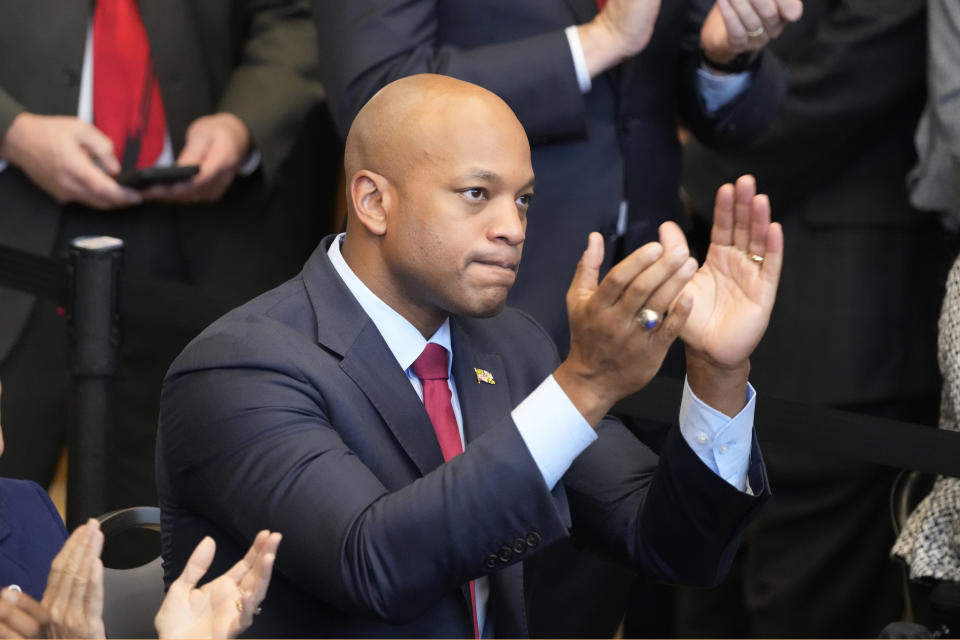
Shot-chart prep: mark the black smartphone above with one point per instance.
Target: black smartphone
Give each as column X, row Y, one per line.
column 143, row 178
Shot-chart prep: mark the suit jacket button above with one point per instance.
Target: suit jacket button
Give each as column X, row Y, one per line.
column 505, row 554
column 491, row 561
column 533, row 539
column 519, row 545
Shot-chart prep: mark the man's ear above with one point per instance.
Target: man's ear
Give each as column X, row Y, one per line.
column 372, row 198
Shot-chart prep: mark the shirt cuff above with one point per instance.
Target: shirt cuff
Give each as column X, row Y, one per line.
column 721, row 442
column 720, row 90
column 579, row 60
column 553, row 430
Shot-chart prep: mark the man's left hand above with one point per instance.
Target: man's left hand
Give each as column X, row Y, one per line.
column 733, row 292
column 737, row 26
column 218, row 144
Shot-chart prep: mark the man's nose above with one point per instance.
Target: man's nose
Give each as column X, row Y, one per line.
column 509, row 223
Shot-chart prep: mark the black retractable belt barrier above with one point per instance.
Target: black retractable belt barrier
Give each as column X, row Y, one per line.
column 39, row 275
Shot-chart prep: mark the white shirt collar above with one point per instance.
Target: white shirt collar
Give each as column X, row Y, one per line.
column 404, row 340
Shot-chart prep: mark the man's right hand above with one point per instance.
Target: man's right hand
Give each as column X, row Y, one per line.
column 61, row 154
column 621, row 30
column 611, row 354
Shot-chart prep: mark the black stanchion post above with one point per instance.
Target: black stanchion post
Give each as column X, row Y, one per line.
column 93, row 325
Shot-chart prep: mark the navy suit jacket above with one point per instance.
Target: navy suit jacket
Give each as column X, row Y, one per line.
column 291, row 413
column 589, row 150
column 31, row 534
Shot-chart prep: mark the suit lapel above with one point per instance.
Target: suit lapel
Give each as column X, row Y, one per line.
column 372, row 366
column 482, row 404
column 179, row 61
column 345, row 329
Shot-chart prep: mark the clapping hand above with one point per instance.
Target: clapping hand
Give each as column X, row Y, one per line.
column 21, row 616
column 737, row 26
column 74, row 594
column 225, row 606
column 734, row 289
column 72, row 605
column 612, row 351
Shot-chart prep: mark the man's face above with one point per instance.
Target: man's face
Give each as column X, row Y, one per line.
column 456, row 231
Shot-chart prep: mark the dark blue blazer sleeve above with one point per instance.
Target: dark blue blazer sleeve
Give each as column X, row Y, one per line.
column 366, row 44
column 748, row 115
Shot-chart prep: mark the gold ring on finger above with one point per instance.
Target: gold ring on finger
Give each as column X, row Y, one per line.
column 756, row 258
column 756, row 33
column 239, row 604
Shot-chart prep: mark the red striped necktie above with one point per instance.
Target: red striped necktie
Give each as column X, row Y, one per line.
column 431, row 368
column 126, row 95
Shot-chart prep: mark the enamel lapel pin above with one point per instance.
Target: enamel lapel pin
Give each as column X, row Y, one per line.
column 484, row 376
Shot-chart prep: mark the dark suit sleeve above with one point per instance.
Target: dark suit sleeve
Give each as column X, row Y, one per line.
column 748, row 115
column 365, row 44
column 251, row 446
column 274, row 86
column 681, row 524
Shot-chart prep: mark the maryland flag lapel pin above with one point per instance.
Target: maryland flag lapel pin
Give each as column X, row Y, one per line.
column 484, row 376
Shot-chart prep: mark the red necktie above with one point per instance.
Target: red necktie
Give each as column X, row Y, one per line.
column 431, row 368
column 600, row 4
column 126, row 95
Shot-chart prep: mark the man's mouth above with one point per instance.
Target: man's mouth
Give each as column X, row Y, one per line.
column 510, row 265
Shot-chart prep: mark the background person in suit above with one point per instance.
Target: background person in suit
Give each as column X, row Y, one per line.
column 315, row 404
column 599, row 94
column 234, row 88
column 856, row 319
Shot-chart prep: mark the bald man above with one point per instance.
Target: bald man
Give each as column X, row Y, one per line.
column 411, row 486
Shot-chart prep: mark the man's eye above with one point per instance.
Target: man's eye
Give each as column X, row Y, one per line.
column 475, row 193
column 524, row 200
